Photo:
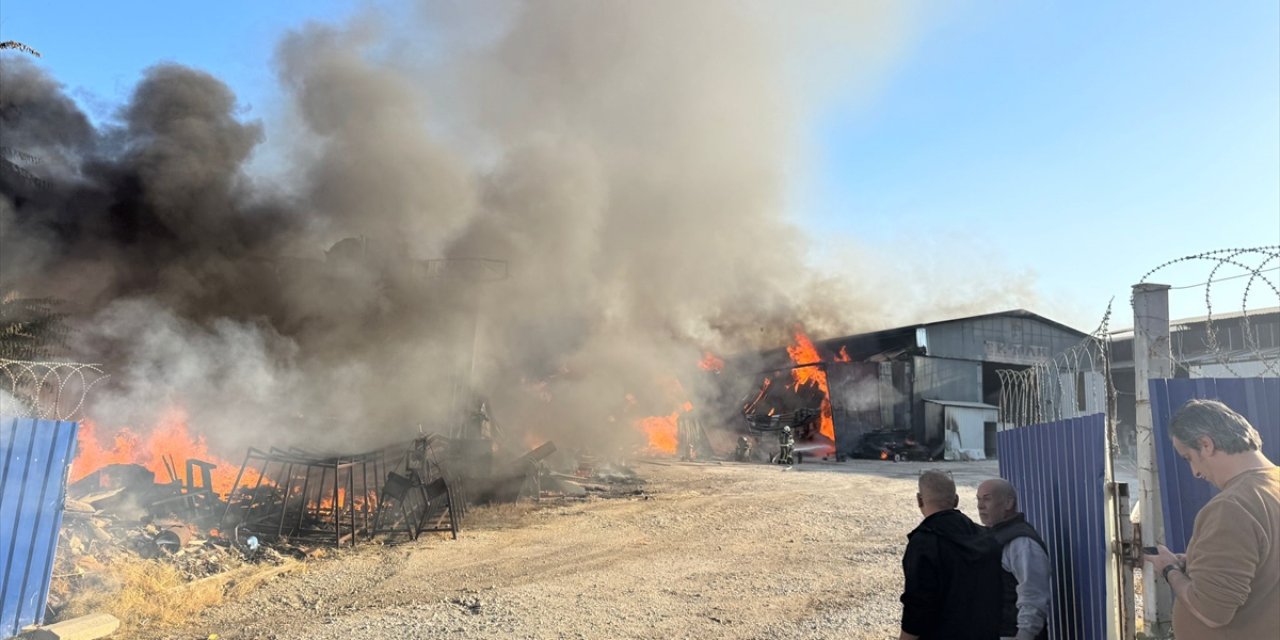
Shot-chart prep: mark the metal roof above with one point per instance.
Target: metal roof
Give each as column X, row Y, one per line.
column 1016, row 313
column 1180, row 323
column 961, row 403
column 910, row 328
column 884, row 342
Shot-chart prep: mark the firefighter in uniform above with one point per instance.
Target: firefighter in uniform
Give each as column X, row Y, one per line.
column 786, row 446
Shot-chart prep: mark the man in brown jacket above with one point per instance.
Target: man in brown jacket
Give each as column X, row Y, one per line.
column 1228, row 583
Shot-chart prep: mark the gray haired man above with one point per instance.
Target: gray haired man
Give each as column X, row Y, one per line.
column 1227, row 585
column 1024, row 560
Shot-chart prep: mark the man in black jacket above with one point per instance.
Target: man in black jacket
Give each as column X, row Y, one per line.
column 952, row 570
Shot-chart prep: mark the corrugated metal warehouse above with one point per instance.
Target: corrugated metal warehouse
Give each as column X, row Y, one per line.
column 923, row 378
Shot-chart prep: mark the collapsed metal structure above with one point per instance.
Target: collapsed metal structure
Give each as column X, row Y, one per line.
column 409, row 488
column 299, row 494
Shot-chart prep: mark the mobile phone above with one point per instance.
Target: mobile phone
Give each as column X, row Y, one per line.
column 1151, row 551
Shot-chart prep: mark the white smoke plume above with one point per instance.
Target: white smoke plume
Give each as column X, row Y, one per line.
column 627, row 161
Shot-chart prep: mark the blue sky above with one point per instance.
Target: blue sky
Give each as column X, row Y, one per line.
column 1084, row 142
column 101, row 48
column 1087, row 142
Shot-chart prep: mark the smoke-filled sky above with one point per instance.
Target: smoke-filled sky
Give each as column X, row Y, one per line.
column 1137, row 133
column 661, row 178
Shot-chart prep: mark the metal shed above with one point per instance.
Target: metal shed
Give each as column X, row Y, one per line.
column 964, row 426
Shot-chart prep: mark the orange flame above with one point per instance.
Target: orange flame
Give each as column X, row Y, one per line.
column 764, row 388
column 171, row 437
column 662, row 432
column 710, row 362
column 803, row 352
column 326, row 502
column 843, row 356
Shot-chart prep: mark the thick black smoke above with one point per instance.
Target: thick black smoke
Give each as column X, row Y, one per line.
column 155, row 206
column 626, row 162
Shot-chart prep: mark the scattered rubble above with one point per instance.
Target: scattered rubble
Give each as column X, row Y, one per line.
column 154, row 552
column 291, row 506
column 101, row 527
column 897, row 445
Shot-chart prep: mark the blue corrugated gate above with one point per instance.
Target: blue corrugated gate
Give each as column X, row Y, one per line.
column 34, row 457
column 1182, row 494
column 1059, row 470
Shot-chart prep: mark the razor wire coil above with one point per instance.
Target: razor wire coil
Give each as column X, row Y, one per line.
column 1256, row 264
column 49, row 390
column 1073, row 383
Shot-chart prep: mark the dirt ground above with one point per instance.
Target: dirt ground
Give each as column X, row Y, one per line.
column 705, row 550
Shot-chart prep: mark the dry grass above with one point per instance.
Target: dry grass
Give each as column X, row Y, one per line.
column 141, row 593
column 149, row 594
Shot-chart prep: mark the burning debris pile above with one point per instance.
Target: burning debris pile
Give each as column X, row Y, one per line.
column 800, row 410
column 283, row 507
column 120, row 516
column 896, row 445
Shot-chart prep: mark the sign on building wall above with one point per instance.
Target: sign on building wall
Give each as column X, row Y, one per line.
column 1015, row 353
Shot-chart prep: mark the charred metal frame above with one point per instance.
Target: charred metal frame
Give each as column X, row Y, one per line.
column 403, row 488
column 418, row 492
column 299, row 494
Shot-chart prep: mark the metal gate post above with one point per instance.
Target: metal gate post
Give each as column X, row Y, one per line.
column 1151, row 359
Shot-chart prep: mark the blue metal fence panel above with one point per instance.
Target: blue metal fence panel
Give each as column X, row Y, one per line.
column 34, row 458
column 1181, row 493
column 1059, row 470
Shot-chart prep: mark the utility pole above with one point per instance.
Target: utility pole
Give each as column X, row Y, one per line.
column 474, row 272
column 1151, row 359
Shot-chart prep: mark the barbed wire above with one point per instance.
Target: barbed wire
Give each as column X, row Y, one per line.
column 54, row 390
column 1071, row 384
column 1256, row 263
column 1235, row 277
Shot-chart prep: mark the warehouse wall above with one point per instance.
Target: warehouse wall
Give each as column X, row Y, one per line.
column 943, row 379
column 999, row 339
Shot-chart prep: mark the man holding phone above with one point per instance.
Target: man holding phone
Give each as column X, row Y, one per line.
column 1227, row 585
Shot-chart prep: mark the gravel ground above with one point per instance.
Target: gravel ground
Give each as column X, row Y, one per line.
column 710, row 550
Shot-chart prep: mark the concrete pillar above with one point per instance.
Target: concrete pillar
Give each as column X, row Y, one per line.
column 1151, row 359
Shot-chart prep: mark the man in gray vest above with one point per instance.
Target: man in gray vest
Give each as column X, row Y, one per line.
column 1024, row 559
